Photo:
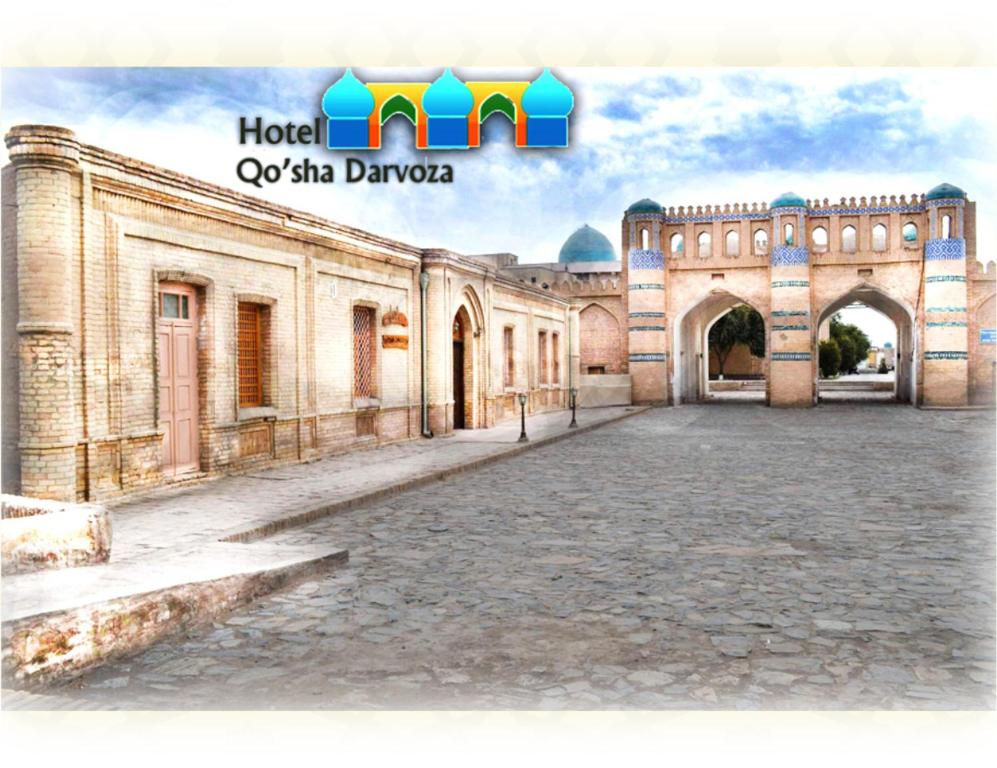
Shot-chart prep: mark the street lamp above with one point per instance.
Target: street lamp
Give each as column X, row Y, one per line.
column 574, row 399
column 522, row 405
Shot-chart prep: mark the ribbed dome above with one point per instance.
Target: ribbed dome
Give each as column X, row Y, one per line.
column 348, row 97
column 447, row 97
column 586, row 244
column 647, row 205
column 944, row 191
column 548, row 97
column 788, row 200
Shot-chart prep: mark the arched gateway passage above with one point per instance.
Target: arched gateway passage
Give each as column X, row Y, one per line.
column 902, row 316
column 691, row 372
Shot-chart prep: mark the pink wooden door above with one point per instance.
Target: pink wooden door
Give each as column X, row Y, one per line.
column 177, row 330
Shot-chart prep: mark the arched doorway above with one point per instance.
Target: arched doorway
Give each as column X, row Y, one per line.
column 902, row 360
column 691, row 371
column 463, row 381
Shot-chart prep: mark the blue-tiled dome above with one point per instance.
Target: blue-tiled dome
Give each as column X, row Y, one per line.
column 586, row 244
column 447, row 97
column 548, row 97
column 647, row 205
column 944, row 191
column 348, row 97
column 788, row 200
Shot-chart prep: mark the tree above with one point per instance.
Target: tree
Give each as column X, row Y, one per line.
column 829, row 357
column 846, row 348
column 742, row 325
column 859, row 342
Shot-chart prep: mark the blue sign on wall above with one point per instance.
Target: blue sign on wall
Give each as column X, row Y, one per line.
column 988, row 335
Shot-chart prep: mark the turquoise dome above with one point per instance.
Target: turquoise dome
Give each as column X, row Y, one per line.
column 647, row 205
column 788, row 200
column 944, row 191
column 348, row 97
column 548, row 97
column 586, row 244
column 447, row 97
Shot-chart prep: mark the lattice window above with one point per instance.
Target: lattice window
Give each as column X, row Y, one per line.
column 555, row 353
column 510, row 360
column 542, row 342
column 250, row 356
column 364, row 352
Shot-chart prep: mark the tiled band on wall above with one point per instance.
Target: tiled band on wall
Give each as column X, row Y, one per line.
column 646, row 259
column 944, row 249
column 790, row 355
column 787, row 255
column 790, row 283
column 947, row 324
column 946, row 355
column 647, row 314
column 945, row 279
column 790, row 327
column 790, row 312
column 648, row 357
column 647, row 328
column 646, row 286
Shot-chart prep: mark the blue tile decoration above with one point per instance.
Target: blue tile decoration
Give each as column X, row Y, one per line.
column 787, row 255
column 945, row 279
column 647, row 314
column 647, row 258
column 945, row 201
column 790, row 313
column 945, row 309
column 703, row 218
column 790, row 283
column 646, row 286
column 790, row 355
column 944, row 355
column 919, row 208
column 648, row 357
column 646, row 328
column 945, row 248
column 947, row 324
column 790, row 327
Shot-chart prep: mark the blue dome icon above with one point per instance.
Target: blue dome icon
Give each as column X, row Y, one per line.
column 586, row 244
column 348, row 98
column 447, row 97
column 548, row 97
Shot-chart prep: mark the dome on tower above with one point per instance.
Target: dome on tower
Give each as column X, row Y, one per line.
column 348, row 97
column 943, row 191
column 788, row 200
column 647, row 205
column 586, row 244
column 447, row 97
column 547, row 97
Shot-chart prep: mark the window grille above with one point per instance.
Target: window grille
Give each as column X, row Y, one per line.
column 510, row 361
column 363, row 352
column 250, row 354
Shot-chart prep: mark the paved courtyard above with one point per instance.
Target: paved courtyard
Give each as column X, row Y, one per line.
column 723, row 556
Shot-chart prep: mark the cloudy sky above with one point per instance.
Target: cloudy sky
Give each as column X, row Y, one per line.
column 691, row 136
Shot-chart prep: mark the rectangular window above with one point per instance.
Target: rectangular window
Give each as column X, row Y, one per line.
column 250, row 349
column 364, row 353
column 510, row 360
column 542, row 344
column 555, row 354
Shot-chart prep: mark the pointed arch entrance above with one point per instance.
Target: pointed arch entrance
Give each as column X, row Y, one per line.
column 462, row 369
column 902, row 317
column 691, row 361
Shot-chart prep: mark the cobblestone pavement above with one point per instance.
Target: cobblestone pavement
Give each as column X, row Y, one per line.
column 694, row 557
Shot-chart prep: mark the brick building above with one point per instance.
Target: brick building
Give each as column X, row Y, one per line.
column 158, row 328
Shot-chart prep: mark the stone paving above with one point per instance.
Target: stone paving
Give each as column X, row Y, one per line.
column 732, row 557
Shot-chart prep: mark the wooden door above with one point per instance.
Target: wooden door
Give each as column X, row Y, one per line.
column 458, row 385
column 178, row 405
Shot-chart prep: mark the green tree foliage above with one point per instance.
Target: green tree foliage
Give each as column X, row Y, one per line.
column 829, row 358
column 846, row 347
column 742, row 325
column 852, row 342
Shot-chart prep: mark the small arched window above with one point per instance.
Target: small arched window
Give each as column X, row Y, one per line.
column 879, row 237
column 788, row 234
column 910, row 232
column 819, row 238
column 704, row 244
column 761, row 241
column 678, row 243
column 733, row 244
column 644, row 239
column 946, row 226
column 848, row 239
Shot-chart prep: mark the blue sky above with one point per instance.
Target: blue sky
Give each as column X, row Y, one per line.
column 684, row 136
